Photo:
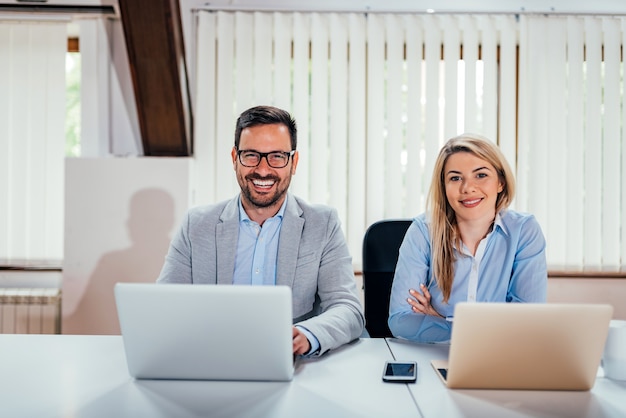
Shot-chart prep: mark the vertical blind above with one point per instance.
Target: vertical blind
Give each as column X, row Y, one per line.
column 572, row 144
column 32, row 140
column 374, row 96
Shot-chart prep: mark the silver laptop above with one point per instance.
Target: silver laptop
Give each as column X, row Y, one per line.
column 525, row 346
column 206, row 332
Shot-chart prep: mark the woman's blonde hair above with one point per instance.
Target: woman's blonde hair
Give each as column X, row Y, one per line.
column 443, row 226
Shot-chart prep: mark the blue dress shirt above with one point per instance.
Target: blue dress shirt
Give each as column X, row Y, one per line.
column 509, row 266
column 257, row 251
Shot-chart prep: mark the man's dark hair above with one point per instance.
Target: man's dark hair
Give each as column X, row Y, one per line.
column 266, row 115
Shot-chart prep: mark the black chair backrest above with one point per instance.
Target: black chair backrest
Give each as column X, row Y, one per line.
column 380, row 254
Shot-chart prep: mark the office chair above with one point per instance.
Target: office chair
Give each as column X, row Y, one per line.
column 380, row 254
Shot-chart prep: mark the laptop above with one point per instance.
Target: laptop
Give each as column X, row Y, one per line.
column 528, row 346
column 206, row 332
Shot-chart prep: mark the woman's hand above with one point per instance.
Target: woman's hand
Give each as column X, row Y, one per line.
column 420, row 302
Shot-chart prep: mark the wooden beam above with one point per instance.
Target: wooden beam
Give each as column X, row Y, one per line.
column 154, row 40
column 73, row 45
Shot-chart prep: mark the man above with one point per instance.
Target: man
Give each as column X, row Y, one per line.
column 266, row 236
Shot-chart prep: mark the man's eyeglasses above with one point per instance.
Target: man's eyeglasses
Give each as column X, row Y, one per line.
column 275, row 159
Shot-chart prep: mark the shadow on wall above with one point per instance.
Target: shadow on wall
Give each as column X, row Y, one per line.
column 150, row 219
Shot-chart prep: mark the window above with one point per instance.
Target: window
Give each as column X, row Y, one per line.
column 375, row 95
column 32, row 140
column 72, row 80
column 572, row 142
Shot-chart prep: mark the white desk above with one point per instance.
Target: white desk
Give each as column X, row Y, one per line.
column 606, row 399
column 86, row 376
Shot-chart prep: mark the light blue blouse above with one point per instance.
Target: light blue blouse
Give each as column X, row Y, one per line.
column 509, row 266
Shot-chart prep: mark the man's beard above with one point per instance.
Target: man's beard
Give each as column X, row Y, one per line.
column 265, row 200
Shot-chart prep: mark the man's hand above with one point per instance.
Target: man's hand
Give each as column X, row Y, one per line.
column 301, row 344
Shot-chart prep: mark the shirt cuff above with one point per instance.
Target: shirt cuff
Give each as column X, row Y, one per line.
column 315, row 344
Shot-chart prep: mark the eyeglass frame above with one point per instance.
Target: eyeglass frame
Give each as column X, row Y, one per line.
column 262, row 155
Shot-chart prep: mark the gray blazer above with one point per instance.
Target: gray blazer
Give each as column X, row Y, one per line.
column 313, row 259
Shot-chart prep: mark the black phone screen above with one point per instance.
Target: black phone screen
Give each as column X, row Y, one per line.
column 400, row 371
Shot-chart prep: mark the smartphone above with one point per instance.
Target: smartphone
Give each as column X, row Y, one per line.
column 400, row 371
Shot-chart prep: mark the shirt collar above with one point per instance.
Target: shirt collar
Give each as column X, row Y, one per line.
column 497, row 223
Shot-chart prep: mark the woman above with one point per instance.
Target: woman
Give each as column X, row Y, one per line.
column 468, row 246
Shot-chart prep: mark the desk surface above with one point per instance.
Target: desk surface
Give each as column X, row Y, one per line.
column 606, row 398
column 86, row 376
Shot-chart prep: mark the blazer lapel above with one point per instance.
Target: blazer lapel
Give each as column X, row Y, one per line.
column 227, row 233
column 289, row 243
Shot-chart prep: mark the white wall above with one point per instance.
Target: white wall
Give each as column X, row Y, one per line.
column 594, row 290
column 120, row 216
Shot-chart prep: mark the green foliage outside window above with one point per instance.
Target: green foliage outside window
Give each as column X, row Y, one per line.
column 72, row 104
